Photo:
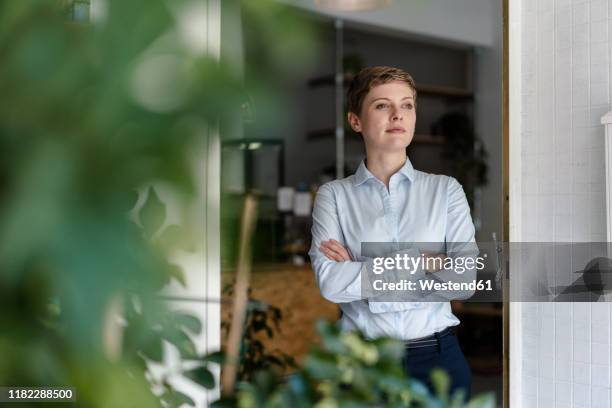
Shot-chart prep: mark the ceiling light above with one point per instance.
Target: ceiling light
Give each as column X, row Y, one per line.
column 352, row 5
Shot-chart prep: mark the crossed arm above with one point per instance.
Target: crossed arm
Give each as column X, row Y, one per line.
column 335, row 251
column 337, row 272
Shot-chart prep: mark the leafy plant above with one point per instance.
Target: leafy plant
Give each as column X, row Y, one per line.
column 148, row 326
column 262, row 320
column 349, row 371
column 89, row 114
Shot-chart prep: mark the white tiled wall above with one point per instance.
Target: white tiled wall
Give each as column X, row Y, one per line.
column 565, row 89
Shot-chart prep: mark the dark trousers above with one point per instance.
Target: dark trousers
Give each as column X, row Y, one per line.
column 447, row 355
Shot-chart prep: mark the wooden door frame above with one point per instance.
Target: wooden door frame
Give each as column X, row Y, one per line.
column 506, row 200
column 511, row 207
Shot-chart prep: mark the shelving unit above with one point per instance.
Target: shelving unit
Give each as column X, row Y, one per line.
column 324, row 134
column 437, row 90
column 444, row 87
column 445, row 91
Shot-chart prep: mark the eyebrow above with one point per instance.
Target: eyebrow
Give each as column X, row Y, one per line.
column 387, row 99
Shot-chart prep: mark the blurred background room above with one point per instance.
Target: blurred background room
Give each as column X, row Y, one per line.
column 454, row 52
column 132, row 133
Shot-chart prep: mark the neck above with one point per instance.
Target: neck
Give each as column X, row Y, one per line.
column 384, row 165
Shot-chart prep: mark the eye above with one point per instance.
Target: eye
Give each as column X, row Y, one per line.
column 408, row 106
column 381, row 106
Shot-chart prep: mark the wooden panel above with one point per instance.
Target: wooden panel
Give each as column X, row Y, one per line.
column 506, row 202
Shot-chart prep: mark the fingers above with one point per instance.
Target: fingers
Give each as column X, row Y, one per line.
column 335, row 251
column 344, row 251
column 332, row 251
column 331, row 254
column 433, row 261
column 338, row 248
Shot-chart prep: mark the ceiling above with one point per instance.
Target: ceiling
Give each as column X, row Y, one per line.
column 467, row 22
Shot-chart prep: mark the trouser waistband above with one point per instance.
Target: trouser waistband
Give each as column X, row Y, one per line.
column 428, row 341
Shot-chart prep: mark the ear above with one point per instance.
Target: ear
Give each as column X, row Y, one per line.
column 354, row 121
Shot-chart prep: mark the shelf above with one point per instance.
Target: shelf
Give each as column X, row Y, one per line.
column 328, row 133
column 328, row 80
column 427, row 139
column 445, row 91
column 478, row 310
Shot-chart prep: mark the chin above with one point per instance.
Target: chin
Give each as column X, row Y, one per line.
column 392, row 145
column 401, row 144
column 395, row 147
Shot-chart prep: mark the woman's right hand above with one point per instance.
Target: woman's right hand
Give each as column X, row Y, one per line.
column 431, row 265
column 335, row 251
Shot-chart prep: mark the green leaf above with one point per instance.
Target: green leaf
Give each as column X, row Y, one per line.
column 202, row 376
column 153, row 349
column 175, row 399
column 330, row 335
column 319, row 365
column 183, row 343
column 217, row 357
column 482, row 401
column 298, row 384
column 153, row 213
column 225, row 402
column 441, row 382
column 393, row 384
column 457, row 399
column 188, row 322
column 419, row 390
column 390, row 349
column 174, row 236
column 176, row 272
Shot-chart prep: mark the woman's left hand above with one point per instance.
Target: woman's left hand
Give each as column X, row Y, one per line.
column 335, row 251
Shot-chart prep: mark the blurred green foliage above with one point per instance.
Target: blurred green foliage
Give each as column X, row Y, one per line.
column 349, row 371
column 89, row 114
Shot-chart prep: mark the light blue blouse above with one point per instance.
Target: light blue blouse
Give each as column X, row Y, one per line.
column 417, row 207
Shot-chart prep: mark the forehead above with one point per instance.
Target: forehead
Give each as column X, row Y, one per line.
column 391, row 90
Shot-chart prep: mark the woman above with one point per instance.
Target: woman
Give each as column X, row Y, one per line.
column 387, row 200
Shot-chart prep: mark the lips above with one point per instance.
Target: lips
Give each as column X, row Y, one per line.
column 396, row 130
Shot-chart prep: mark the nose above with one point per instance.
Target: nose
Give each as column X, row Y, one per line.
column 396, row 115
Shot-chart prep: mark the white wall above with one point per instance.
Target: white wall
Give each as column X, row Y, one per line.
column 559, row 86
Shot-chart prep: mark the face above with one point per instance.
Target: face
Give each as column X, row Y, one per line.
column 387, row 117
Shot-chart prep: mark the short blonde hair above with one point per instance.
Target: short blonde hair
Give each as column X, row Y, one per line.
column 370, row 77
